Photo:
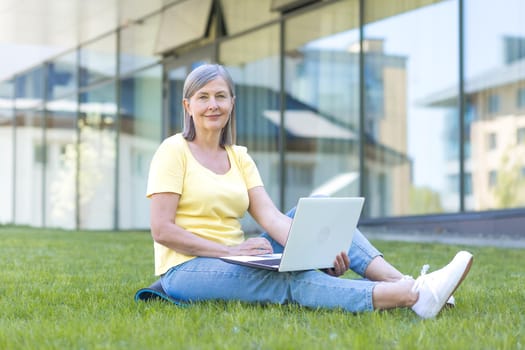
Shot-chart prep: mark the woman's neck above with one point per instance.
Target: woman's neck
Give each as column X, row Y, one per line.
column 208, row 142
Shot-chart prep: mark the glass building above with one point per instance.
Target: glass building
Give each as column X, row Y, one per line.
column 417, row 105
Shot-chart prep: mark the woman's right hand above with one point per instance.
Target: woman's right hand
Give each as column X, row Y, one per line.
column 252, row 246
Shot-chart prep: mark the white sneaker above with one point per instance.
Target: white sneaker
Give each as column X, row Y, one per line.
column 436, row 288
column 451, row 302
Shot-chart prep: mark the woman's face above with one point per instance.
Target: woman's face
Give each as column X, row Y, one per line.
column 210, row 106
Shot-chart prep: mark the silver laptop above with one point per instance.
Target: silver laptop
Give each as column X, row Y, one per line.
column 322, row 228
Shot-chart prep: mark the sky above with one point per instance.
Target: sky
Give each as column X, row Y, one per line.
column 16, row 58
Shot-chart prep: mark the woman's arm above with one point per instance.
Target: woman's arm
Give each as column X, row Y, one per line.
column 264, row 211
column 164, row 231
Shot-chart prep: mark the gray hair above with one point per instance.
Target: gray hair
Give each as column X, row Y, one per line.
column 199, row 77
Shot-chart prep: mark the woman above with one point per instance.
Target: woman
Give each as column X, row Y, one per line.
column 201, row 183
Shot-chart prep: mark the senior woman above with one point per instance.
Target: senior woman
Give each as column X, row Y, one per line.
column 201, row 183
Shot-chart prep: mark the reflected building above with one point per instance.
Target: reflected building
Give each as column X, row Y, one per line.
column 494, row 133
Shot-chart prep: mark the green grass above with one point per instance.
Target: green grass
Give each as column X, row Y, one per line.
column 74, row 290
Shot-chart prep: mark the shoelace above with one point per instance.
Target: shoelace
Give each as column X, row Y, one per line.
column 421, row 280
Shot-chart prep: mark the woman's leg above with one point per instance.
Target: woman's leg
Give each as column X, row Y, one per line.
column 389, row 295
column 203, row 279
column 370, row 262
column 212, row 279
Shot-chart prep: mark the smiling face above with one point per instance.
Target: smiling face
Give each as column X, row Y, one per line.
column 210, row 106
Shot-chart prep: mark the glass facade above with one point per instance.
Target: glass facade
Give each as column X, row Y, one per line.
column 140, row 130
column 411, row 148
column 495, row 79
column 61, row 137
column 399, row 102
column 98, row 60
column 29, row 148
column 137, row 49
column 321, row 119
column 61, row 162
column 7, row 146
column 97, row 157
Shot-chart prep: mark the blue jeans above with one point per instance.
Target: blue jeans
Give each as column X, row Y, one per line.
column 210, row 278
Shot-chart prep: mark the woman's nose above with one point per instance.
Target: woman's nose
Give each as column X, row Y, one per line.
column 212, row 104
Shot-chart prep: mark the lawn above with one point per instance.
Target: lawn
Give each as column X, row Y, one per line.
column 74, row 290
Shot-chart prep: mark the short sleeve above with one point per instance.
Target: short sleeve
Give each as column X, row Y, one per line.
column 248, row 168
column 167, row 168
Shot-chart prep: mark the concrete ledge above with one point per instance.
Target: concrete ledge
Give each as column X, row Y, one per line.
column 504, row 228
column 510, row 222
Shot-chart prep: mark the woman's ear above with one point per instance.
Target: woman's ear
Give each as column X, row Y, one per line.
column 186, row 105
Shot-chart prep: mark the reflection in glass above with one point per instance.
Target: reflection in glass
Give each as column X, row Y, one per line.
column 137, row 49
column 253, row 62
column 98, row 60
column 61, row 163
column 176, row 79
column 410, row 57
column 96, row 156
column 29, row 147
column 29, row 89
column 495, row 91
column 140, row 134
column 321, row 121
column 177, row 29
column 62, row 77
column 6, row 155
column 243, row 15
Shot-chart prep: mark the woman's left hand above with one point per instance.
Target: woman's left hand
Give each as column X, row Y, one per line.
column 341, row 265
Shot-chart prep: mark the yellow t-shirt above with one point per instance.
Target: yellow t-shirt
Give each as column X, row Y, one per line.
column 210, row 204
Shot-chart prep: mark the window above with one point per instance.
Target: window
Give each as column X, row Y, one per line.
column 403, row 100
column 493, row 104
column 521, row 97
column 452, row 183
column 485, row 78
column 62, row 75
column 491, row 141
column 140, row 130
column 520, row 135
column 321, row 120
column 467, row 182
column 493, row 178
column 98, row 60
column 38, row 153
column 243, row 15
column 300, row 174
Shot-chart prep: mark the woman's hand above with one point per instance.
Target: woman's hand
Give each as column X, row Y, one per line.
column 252, row 246
column 341, row 265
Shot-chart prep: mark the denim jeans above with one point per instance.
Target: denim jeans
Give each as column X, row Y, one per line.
column 209, row 278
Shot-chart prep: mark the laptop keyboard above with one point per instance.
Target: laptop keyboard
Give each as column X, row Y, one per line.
column 269, row 262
